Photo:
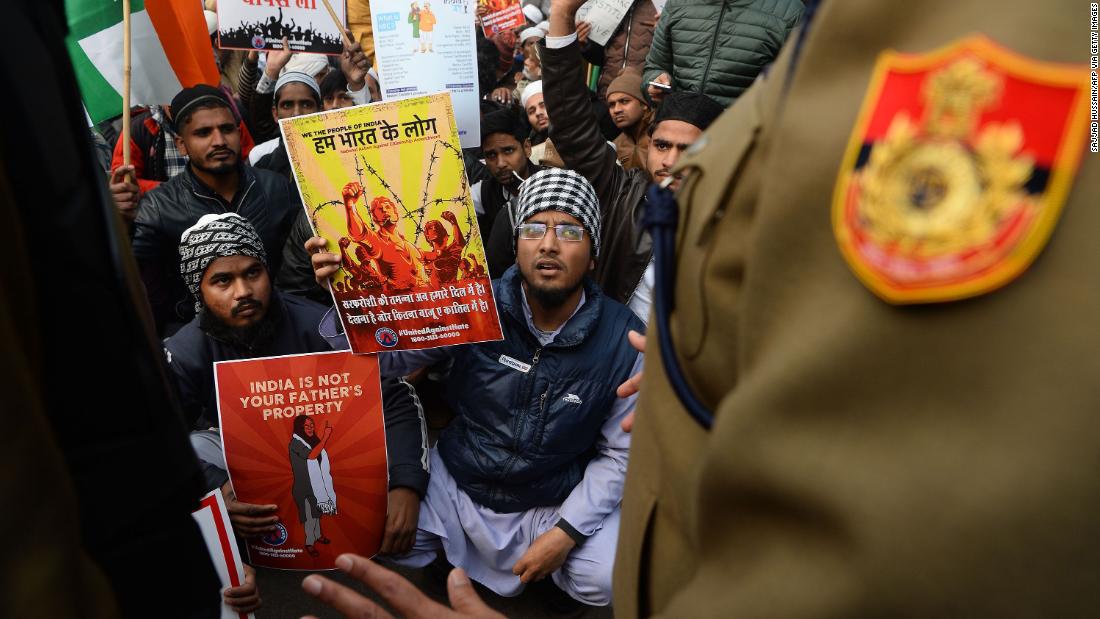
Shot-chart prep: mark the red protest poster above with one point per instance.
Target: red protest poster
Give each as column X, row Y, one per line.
column 306, row 433
column 502, row 15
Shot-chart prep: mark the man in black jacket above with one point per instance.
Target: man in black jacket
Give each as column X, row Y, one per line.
column 216, row 181
column 240, row 315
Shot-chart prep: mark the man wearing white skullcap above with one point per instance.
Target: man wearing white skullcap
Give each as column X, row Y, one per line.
column 532, row 13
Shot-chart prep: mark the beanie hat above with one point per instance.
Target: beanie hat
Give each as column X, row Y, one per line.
column 558, row 189
column 629, row 82
column 187, row 100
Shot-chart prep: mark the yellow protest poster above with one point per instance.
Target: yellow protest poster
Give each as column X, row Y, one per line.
column 385, row 185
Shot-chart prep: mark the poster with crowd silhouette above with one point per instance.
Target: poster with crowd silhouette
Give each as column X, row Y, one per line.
column 263, row 24
column 306, row 433
column 384, row 184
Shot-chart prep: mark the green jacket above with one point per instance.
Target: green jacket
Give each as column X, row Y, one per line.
column 717, row 47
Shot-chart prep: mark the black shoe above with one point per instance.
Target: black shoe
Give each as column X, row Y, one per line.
column 312, row 551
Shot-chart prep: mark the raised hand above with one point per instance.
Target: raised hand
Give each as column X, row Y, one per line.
column 352, row 191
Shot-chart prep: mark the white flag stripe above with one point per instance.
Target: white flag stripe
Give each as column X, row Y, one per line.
column 153, row 80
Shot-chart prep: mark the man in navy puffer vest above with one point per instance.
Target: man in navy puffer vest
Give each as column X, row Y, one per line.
column 526, row 481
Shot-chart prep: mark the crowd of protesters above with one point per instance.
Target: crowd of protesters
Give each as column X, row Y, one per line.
column 572, row 135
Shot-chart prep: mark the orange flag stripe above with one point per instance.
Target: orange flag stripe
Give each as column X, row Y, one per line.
column 181, row 27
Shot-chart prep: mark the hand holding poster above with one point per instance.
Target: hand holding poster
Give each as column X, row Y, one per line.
column 502, row 15
column 263, row 24
column 306, row 433
column 384, row 185
column 217, row 532
column 604, row 17
column 425, row 47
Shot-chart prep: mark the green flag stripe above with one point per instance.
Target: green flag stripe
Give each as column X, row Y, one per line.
column 87, row 17
column 101, row 99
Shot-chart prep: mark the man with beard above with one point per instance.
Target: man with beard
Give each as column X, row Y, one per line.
column 216, row 181
column 527, row 480
column 533, row 104
column 681, row 119
column 507, row 153
column 240, row 315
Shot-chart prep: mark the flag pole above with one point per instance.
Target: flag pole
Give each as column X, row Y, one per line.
column 125, row 82
column 341, row 27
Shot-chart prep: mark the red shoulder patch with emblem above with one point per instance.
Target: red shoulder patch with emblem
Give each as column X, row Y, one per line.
column 957, row 169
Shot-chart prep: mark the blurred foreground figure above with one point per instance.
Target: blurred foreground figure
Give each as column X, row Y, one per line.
column 97, row 464
column 886, row 296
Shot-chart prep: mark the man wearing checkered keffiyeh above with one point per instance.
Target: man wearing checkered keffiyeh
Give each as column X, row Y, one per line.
column 216, row 236
column 546, row 483
column 558, row 189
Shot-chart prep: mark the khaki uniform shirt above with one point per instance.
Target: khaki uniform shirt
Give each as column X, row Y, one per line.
column 868, row 459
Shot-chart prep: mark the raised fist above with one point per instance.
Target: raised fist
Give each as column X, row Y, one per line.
column 344, row 242
column 352, row 191
column 449, row 216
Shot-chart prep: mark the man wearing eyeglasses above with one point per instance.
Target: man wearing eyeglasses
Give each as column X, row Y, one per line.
column 527, row 480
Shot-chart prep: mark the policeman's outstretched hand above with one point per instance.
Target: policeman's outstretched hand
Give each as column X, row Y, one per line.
column 634, row 383
column 325, row 263
column 125, row 192
column 399, row 593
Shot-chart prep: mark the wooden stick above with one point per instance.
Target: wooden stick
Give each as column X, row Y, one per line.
column 125, row 82
column 341, row 27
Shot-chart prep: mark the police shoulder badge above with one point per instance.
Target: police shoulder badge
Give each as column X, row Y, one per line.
column 957, row 169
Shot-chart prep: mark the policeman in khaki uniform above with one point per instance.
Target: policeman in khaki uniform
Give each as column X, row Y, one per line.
column 888, row 293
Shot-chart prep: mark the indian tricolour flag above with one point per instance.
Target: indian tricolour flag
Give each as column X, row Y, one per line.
column 170, row 49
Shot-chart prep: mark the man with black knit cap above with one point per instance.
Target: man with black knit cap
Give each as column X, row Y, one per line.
column 678, row 123
column 240, row 315
column 527, row 479
column 216, row 181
